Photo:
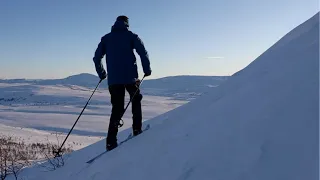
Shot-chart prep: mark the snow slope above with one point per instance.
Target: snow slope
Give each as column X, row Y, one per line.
column 262, row 124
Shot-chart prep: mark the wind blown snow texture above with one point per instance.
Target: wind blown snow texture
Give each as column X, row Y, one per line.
column 262, row 124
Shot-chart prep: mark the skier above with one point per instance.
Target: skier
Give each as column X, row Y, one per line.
column 118, row 47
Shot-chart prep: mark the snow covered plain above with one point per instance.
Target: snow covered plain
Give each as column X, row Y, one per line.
column 34, row 112
column 261, row 124
column 29, row 136
column 184, row 87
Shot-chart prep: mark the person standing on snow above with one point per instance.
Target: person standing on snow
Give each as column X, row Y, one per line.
column 118, row 46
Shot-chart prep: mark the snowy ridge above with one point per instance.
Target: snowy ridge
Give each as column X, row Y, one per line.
column 261, row 124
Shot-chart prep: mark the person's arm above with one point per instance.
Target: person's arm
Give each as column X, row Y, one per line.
column 144, row 56
column 97, row 59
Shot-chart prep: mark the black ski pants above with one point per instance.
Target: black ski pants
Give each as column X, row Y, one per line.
column 117, row 93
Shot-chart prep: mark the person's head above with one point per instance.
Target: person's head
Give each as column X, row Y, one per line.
column 123, row 18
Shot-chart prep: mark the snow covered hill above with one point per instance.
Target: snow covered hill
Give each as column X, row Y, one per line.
column 182, row 87
column 261, row 124
column 178, row 87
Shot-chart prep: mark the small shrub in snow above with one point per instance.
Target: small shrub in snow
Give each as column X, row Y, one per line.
column 50, row 151
column 14, row 156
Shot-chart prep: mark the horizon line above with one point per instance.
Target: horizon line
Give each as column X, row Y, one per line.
column 39, row 79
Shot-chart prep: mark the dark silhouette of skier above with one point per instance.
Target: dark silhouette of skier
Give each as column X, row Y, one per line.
column 118, row 47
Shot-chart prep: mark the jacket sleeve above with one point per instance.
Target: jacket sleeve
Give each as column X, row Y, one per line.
column 97, row 59
column 144, row 56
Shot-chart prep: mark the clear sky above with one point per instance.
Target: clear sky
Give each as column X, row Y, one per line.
column 55, row 39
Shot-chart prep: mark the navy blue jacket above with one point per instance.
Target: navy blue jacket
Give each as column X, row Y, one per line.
column 118, row 46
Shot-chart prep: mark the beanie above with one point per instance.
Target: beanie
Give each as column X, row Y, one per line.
column 123, row 18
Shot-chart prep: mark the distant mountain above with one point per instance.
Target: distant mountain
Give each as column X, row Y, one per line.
column 182, row 87
column 84, row 79
column 173, row 86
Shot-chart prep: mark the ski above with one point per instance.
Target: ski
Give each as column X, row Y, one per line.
column 130, row 136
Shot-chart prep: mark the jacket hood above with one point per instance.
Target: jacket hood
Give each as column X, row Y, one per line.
column 120, row 26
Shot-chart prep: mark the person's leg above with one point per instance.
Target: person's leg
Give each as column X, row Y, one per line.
column 117, row 93
column 136, row 108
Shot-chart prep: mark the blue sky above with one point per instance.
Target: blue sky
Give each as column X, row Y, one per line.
column 55, row 39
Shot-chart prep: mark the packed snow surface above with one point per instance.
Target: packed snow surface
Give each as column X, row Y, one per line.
column 261, row 124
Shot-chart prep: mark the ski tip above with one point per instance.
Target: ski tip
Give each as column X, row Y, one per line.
column 89, row 162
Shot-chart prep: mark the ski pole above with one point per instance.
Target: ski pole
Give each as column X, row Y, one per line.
column 121, row 124
column 57, row 153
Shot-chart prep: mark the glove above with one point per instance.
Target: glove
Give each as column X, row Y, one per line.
column 147, row 74
column 138, row 82
column 103, row 75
